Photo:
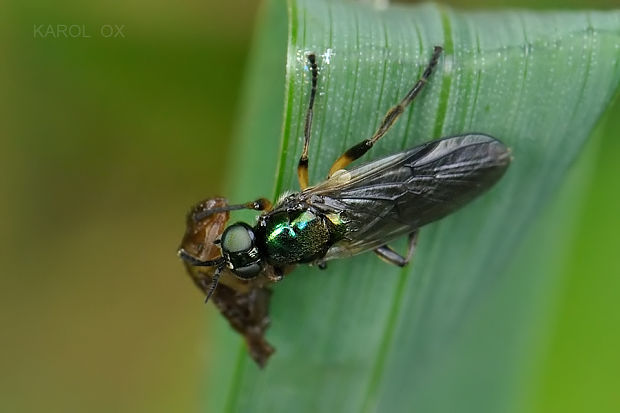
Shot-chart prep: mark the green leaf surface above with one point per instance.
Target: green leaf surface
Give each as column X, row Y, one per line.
column 364, row 335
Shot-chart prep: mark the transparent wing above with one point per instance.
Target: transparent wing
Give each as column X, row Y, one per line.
column 395, row 195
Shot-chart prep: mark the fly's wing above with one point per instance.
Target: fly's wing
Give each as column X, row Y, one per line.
column 395, row 195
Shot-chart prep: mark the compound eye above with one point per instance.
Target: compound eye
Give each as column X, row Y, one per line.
column 248, row 272
column 238, row 238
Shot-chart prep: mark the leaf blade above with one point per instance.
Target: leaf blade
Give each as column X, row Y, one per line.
column 491, row 53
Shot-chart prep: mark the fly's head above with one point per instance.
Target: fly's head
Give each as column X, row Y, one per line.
column 239, row 250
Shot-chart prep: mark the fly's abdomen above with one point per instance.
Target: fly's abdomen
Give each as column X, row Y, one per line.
column 291, row 239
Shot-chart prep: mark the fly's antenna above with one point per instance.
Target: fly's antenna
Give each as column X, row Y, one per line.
column 216, row 278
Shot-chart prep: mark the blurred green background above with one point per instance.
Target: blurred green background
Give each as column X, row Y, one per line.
column 105, row 144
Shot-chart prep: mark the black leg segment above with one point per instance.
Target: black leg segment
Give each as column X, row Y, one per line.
column 389, row 255
column 261, row 204
column 361, row 148
column 302, row 167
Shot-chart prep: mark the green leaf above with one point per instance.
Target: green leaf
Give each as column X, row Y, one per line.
column 364, row 335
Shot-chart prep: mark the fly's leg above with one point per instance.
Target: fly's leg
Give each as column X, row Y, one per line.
column 321, row 263
column 261, row 204
column 302, row 166
column 274, row 274
column 217, row 263
column 191, row 260
column 361, row 148
column 389, row 255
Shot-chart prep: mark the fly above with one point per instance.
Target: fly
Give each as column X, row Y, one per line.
column 353, row 211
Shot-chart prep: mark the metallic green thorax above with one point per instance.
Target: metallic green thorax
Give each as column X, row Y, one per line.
column 298, row 238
